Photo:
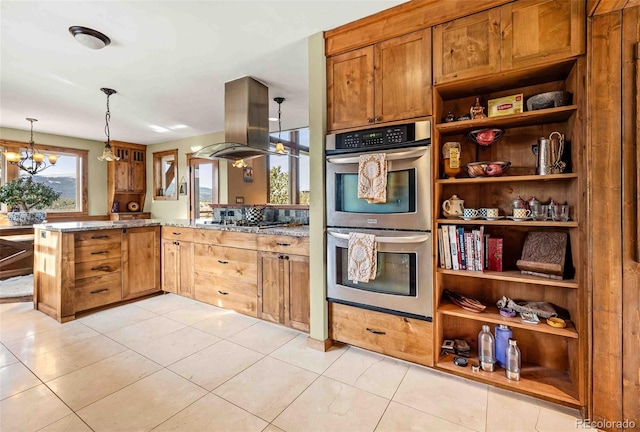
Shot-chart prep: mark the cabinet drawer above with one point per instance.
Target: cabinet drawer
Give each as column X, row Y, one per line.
column 396, row 336
column 226, row 238
column 227, row 293
column 284, row 244
column 97, row 268
column 102, row 251
column 98, row 291
column 237, row 264
column 175, row 233
column 98, row 237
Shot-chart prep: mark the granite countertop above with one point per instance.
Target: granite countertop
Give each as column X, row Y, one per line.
column 294, row 231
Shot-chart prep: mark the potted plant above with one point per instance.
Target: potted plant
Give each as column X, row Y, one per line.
column 23, row 196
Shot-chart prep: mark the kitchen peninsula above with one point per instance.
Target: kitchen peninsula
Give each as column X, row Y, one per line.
column 263, row 273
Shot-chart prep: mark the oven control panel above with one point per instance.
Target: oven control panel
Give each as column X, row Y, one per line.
column 378, row 138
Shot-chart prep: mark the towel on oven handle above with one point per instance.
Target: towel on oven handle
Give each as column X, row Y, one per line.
column 372, row 177
column 362, row 257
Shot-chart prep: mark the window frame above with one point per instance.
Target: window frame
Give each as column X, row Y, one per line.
column 294, row 147
column 11, row 172
column 215, row 187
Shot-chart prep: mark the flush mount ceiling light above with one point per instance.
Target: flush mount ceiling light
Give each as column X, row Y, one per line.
column 90, row 38
column 107, row 153
column 31, row 160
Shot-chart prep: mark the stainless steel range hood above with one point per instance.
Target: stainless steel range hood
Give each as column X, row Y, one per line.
column 246, row 122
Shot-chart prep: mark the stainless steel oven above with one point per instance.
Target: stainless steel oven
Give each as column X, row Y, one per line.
column 403, row 279
column 408, row 204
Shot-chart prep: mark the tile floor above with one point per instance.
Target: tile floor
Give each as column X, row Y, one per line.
column 173, row 364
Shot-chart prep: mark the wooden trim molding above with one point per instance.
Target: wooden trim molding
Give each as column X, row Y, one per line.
column 319, row 345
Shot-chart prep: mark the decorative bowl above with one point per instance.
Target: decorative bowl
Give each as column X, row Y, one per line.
column 485, row 137
column 487, row 169
column 552, row 99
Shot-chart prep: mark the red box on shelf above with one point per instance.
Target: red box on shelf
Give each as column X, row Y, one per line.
column 495, row 254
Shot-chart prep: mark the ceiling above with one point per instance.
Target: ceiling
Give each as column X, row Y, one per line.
column 168, row 61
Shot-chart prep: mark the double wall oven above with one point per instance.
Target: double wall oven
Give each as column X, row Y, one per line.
column 401, row 225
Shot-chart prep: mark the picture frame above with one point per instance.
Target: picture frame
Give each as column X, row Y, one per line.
column 247, row 174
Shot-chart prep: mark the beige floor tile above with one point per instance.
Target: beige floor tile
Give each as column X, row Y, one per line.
column 43, row 342
column 16, row 378
column 193, row 313
column 296, row 352
column 114, row 318
column 72, row 357
column 272, row 428
column 266, row 388
column 229, row 360
column 557, row 418
column 142, row 405
column 70, row 423
column 162, row 304
column 368, row 371
column 402, row 418
column 176, row 345
column 6, row 358
column 23, row 321
column 329, row 405
column 19, row 413
column 90, row 384
column 145, row 331
column 213, row 414
column 225, row 324
column 524, row 408
column 440, row 394
column 264, row 337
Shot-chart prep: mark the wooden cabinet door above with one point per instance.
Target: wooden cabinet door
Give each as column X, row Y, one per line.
column 141, row 262
column 350, row 89
column 467, row 47
column 185, row 269
column 296, row 292
column 270, row 286
column 170, row 266
column 403, row 77
column 122, row 173
column 138, row 171
column 538, row 31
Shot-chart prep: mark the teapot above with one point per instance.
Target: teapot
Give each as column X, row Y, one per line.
column 453, row 206
column 519, row 203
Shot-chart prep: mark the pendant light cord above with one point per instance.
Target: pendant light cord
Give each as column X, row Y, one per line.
column 107, row 117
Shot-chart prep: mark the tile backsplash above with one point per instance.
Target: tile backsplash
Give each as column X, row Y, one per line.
column 232, row 212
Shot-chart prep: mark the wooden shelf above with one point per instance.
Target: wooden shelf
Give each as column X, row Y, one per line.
column 529, row 118
column 492, row 315
column 508, row 179
column 512, row 276
column 550, row 384
column 509, row 222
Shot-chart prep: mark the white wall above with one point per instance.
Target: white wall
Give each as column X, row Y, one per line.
column 97, row 175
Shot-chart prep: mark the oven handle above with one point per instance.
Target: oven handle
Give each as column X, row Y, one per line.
column 390, row 156
column 396, row 240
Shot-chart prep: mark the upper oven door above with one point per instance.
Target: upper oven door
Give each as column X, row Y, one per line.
column 408, row 203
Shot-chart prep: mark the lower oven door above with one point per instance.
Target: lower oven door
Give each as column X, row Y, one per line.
column 408, row 204
column 403, row 282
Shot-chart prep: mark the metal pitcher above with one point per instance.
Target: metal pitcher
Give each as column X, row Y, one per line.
column 549, row 154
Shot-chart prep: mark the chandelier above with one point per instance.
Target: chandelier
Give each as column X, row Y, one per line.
column 107, row 153
column 31, row 160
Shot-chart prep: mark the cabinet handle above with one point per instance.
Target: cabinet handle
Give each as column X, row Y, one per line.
column 99, row 237
column 378, row 332
column 223, row 262
column 283, row 244
column 223, row 292
column 377, row 118
column 176, row 243
column 369, row 120
column 98, row 291
column 101, row 268
column 285, row 257
column 176, row 233
column 99, row 253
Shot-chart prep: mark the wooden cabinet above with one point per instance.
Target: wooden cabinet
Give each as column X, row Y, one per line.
column 554, row 359
column 382, row 83
column 177, row 267
column 141, row 262
column 517, row 35
column 126, row 179
column 129, row 216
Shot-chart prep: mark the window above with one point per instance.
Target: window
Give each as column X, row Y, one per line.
column 165, row 175
column 203, row 180
column 68, row 176
column 289, row 174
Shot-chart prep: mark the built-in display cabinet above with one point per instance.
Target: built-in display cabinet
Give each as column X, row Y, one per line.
column 127, row 182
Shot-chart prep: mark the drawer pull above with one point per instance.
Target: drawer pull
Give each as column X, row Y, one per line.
column 378, row 332
column 95, row 237
column 101, row 268
column 176, row 233
column 99, row 253
column 223, row 292
column 283, row 244
column 223, row 262
column 98, row 291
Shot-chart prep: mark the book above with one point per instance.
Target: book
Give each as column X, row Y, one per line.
column 461, row 249
column 446, row 246
column 481, row 247
column 495, row 254
column 468, row 244
column 441, row 249
column 454, row 247
column 485, row 245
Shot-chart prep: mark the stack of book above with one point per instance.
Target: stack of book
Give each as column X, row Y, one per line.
column 468, row 250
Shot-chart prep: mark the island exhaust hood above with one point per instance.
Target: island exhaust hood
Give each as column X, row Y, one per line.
column 246, row 122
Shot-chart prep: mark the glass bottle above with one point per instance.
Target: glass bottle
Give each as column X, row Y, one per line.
column 451, row 159
column 513, row 361
column 503, row 333
column 486, row 349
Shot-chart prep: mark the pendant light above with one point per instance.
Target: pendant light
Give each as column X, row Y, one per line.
column 31, row 160
column 279, row 146
column 107, row 153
